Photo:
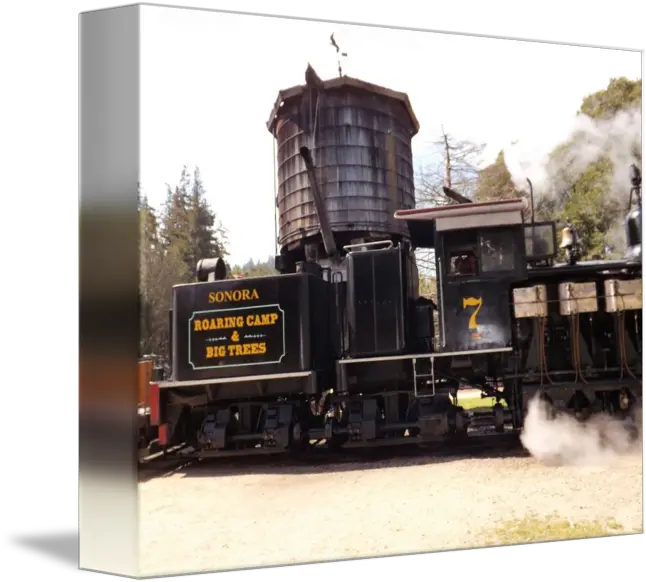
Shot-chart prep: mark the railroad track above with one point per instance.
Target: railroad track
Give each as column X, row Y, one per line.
column 162, row 463
column 472, row 447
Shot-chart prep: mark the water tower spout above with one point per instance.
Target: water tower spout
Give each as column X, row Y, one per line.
column 319, row 204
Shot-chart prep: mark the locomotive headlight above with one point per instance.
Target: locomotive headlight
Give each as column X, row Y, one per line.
column 567, row 238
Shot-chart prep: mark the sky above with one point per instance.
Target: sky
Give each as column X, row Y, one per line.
column 209, row 82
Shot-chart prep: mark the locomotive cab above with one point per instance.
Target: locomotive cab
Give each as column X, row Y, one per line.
column 480, row 251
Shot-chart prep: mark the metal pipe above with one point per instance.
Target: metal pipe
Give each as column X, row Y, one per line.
column 433, row 356
column 440, row 295
column 531, row 198
column 387, row 243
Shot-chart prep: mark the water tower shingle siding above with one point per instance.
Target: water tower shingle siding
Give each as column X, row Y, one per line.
column 360, row 136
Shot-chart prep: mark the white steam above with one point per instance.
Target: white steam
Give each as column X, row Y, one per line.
column 618, row 138
column 560, row 439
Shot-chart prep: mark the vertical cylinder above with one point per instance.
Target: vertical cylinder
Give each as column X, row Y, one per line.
column 360, row 137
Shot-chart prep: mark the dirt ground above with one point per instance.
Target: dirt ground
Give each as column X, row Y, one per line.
column 210, row 518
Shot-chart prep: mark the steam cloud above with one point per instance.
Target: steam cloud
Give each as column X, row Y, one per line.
column 560, row 439
column 619, row 138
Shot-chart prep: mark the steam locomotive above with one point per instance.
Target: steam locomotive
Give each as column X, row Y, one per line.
column 340, row 348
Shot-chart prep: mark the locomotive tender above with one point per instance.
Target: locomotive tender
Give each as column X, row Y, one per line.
column 340, row 347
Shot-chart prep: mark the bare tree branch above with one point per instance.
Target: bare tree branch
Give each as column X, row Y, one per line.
column 455, row 164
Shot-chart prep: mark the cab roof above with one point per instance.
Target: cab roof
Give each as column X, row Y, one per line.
column 423, row 223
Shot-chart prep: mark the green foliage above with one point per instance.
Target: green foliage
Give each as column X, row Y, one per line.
column 207, row 237
column 148, row 259
column 582, row 194
column 494, row 182
column 255, row 268
column 428, row 287
column 589, row 201
column 171, row 244
column 590, row 208
column 620, row 94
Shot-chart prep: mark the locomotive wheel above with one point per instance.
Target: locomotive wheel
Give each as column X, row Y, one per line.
column 460, row 422
column 499, row 417
column 299, row 442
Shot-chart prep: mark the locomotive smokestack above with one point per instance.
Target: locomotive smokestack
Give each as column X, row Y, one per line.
column 214, row 269
column 326, row 231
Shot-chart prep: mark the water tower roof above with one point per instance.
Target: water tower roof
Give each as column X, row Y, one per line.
column 348, row 83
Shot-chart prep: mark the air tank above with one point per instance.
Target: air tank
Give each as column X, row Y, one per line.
column 359, row 136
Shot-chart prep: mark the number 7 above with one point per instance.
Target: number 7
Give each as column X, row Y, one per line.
column 472, row 302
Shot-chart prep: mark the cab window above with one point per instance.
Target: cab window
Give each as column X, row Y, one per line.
column 463, row 263
column 497, row 251
column 461, row 252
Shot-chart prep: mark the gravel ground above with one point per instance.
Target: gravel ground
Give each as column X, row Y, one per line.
column 205, row 518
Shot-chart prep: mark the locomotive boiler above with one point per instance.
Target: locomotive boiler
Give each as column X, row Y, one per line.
column 340, row 348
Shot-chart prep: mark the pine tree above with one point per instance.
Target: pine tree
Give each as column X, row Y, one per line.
column 255, row 268
column 149, row 260
column 170, row 246
column 207, row 238
column 176, row 220
column 495, row 183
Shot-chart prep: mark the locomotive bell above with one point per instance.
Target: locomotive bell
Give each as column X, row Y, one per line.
column 568, row 237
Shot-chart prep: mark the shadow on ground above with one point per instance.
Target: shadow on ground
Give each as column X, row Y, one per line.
column 324, row 462
column 63, row 546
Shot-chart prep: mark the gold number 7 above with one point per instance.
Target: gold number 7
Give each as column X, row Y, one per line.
column 472, row 302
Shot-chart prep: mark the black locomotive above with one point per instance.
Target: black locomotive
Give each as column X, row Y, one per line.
column 341, row 348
